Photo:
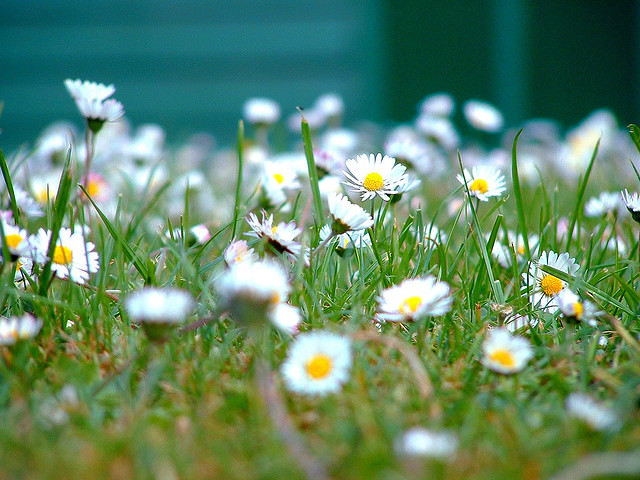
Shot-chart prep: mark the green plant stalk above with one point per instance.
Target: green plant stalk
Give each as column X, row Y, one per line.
column 7, row 180
column 236, row 208
column 59, row 210
column 581, row 190
column 313, row 172
column 517, row 193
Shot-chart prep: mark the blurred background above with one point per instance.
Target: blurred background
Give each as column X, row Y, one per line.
column 190, row 65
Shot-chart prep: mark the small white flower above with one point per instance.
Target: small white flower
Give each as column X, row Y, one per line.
column 330, row 105
column 414, row 299
column 572, row 307
column 438, row 130
column 372, row 175
column 238, row 251
column 285, row 318
column 606, row 202
column 200, row 233
column 318, row 363
column 18, row 328
column 422, row 442
column 16, row 239
column 261, row 111
column 72, row 257
column 632, row 202
column 438, row 104
column 91, row 100
column 346, row 215
column 159, row 305
column 281, row 236
column 353, row 239
column 590, row 411
column 483, row 182
column 546, row 287
column 483, row 116
column 520, row 322
column 506, row 353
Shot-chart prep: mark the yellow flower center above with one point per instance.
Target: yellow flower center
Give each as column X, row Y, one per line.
column 373, row 181
column 551, row 285
column 578, row 308
column 503, row 356
column 42, row 196
column 410, row 305
column 318, row 366
column 13, row 240
column 278, row 177
column 94, row 187
column 479, row 185
column 62, row 255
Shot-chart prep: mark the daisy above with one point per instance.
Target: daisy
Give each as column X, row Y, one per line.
column 317, row 363
column 605, row 203
column 249, row 290
column 546, row 287
column 280, row 237
column 159, row 309
column 373, row 175
column 592, row 412
column 483, row 182
column 18, row 328
column 438, row 130
column 346, row 215
column 632, row 202
column 414, row 299
column 483, row 116
column 331, row 106
column 422, row 442
column 355, row 239
column 261, row 111
column 438, row 104
column 285, row 318
column 517, row 322
column 91, row 100
column 281, row 175
column 572, row 307
column 16, row 239
column 238, row 251
column 72, row 257
column 506, row 353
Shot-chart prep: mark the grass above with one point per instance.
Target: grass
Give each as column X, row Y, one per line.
column 92, row 394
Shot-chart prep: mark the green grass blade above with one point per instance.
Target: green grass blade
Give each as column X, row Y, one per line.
column 634, row 132
column 579, row 202
column 122, row 242
column 313, row 172
column 517, row 193
column 7, row 180
column 236, row 207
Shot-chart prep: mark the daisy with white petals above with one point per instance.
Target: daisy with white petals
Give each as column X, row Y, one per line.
column 92, row 101
column 483, row 116
column 603, row 204
column 72, row 257
column 422, row 442
column 318, row 363
column 158, row 309
column 632, row 202
column 574, row 308
column 18, row 328
column 595, row 414
column 414, row 299
column 546, row 286
column 483, row 182
column 506, row 353
column 281, row 236
column 16, row 239
column 347, row 216
column 372, row 175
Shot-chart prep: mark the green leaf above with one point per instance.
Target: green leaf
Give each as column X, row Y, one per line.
column 236, row 207
column 313, row 171
column 579, row 203
column 517, row 193
column 9, row 183
column 634, row 132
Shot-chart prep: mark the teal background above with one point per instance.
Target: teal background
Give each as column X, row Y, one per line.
column 190, row 65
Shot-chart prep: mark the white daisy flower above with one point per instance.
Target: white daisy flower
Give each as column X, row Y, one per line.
column 16, row 239
column 506, row 353
column 372, row 175
column 318, row 363
column 483, row 182
column 503, row 253
column 250, row 289
column 546, row 287
column 438, row 130
column 582, row 310
column 438, row 104
column 632, row 202
column 18, row 328
column 281, row 175
column 352, row 239
column 200, row 234
column 280, row 237
column 27, row 204
column 159, row 305
column 72, row 257
column 330, row 105
column 606, row 202
column 238, row 251
column 346, row 215
column 91, row 100
column 422, row 442
column 261, row 111
column 483, row 116
column 414, row 299
column 285, row 318
column 517, row 323
column 590, row 411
